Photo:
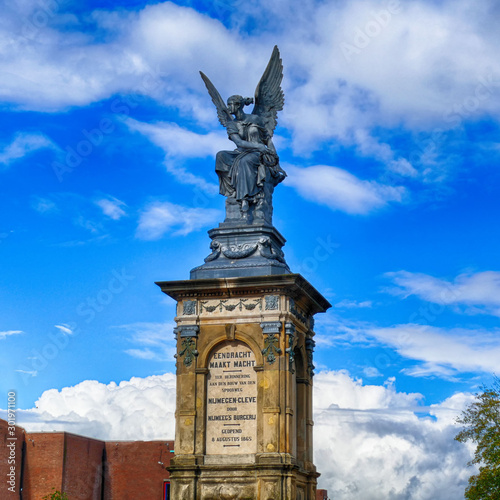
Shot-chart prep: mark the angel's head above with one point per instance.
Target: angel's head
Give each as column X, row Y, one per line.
column 236, row 102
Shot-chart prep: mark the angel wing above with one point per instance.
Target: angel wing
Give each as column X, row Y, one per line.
column 269, row 97
column 222, row 111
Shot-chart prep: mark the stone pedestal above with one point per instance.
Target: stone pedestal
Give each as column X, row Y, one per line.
column 243, row 250
column 244, row 388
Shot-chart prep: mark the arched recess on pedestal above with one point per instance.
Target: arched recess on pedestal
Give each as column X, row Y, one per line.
column 231, row 402
column 242, row 337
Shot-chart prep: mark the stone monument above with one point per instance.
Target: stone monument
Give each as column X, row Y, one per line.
column 245, row 331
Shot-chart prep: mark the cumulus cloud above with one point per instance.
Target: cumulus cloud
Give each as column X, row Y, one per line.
column 477, row 292
column 158, row 218
column 420, row 62
column 22, row 145
column 371, row 442
column 340, row 190
column 137, row 409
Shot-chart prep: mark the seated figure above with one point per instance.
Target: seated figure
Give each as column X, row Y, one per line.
column 248, row 175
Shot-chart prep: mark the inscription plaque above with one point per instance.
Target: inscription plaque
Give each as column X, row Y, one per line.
column 231, row 400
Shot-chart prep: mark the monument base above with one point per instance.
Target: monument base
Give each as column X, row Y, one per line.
column 278, row 481
column 244, row 388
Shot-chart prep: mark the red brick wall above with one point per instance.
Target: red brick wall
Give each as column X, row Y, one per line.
column 133, row 471
column 82, row 475
column 321, row 495
column 43, row 464
column 10, row 451
column 65, row 462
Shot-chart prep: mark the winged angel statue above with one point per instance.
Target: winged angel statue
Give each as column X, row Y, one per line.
column 248, row 175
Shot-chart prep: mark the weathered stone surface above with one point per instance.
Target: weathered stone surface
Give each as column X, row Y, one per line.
column 243, row 250
column 231, row 401
column 264, row 321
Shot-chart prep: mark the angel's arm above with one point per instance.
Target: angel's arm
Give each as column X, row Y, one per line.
column 241, row 143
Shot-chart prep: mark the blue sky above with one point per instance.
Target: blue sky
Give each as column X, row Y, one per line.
column 390, row 137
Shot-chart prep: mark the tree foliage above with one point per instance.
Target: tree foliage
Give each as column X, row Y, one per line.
column 481, row 425
column 56, row 495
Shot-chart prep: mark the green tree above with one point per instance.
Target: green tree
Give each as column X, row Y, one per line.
column 481, row 425
column 56, row 495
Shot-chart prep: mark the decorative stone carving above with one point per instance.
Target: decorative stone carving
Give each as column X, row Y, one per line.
column 272, row 302
column 187, row 330
column 239, row 251
column 270, row 348
column 187, row 333
column 216, row 249
column 290, row 332
column 220, row 306
column 271, row 327
column 310, row 344
column 271, row 342
column 298, row 313
column 189, row 351
column 189, row 307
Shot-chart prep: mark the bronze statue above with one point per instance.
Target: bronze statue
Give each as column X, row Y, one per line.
column 248, row 175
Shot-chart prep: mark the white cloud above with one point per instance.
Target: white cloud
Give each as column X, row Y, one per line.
column 426, row 58
column 371, row 445
column 32, row 373
column 179, row 143
column 22, row 145
column 427, row 67
column 159, row 218
column 65, row 329
column 8, row 333
column 369, row 442
column 340, row 190
column 478, row 292
column 138, row 409
column 442, row 352
column 403, row 167
column 112, row 207
column 154, row 341
column 428, row 351
column 44, row 205
column 372, row 372
column 353, row 304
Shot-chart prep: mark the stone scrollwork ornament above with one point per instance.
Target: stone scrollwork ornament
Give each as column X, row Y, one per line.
column 189, row 351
